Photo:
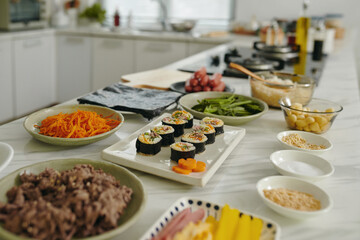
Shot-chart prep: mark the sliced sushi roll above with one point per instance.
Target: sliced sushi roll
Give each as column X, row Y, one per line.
column 182, row 150
column 197, row 139
column 218, row 124
column 185, row 116
column 148, row 143
column 206, row 129
column 177, row 124
column 167, row 134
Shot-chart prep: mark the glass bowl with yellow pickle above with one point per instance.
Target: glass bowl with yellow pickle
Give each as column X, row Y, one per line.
column 317, row 116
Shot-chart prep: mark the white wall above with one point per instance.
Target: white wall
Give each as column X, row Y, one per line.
column 290, row 9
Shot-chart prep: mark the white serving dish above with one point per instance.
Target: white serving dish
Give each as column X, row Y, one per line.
column 124, row 153
column 6, row 154
column 301, row 164
column 293, row 183
column 310, row 138
column 271, row 230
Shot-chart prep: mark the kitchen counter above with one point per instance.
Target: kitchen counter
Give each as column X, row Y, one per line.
column 234, row 182
column 147, row 35
column 124, row 34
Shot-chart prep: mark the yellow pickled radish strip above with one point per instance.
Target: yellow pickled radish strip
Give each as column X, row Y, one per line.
column 232, row 223
column 227, row 223
column 213, row 224
column 255, row 228
column 221, row 227
column 242, row 231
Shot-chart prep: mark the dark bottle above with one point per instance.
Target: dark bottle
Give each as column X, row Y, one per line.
column 318, row 48
column 319, row 37
column 117, row 18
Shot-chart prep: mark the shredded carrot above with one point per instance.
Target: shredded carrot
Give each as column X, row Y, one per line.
column 76, row 125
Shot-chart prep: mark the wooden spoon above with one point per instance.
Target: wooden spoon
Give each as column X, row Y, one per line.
column 253, row 75
column 247, row 72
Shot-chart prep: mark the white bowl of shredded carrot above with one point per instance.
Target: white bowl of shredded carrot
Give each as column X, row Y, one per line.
column 73, row 125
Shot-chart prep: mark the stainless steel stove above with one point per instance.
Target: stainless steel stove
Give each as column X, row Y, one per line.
column 255, row 60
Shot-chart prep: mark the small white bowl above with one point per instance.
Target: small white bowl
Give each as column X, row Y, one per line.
column 301, row 164
column 311, row 138
column 297, row 184
column 6, row 154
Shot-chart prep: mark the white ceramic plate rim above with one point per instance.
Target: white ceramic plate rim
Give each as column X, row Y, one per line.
column 117, row 153
column 305, row 135
column 292, row 212
column 178, row 202
column 9, row 152
column 330, row 169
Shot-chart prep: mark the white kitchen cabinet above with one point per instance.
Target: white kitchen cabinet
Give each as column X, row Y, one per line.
column 112, row 58
column 195, row 48
column 34, row 73
column 73, row 66
column 151, row 54
column 6, row 87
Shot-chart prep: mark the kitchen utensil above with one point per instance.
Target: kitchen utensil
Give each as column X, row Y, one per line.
column 246, row 71
column 183, row 26
column 255, row 76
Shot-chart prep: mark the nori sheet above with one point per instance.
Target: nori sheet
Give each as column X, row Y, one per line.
column 147, row 102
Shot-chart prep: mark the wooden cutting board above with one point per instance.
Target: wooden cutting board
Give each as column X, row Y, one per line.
column 155, row 79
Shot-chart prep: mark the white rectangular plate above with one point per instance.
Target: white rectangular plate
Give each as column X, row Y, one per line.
column 270, row 229
column 124, row 153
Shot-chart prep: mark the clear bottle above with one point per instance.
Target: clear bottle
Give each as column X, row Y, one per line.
column 302, row 27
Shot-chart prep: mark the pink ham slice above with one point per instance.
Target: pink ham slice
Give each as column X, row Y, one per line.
column 179, row 222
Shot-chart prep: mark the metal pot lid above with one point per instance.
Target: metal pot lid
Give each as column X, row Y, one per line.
column 257, row 64
column 277, row 49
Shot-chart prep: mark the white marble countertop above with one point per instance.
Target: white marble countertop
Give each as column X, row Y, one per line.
column 234, row 182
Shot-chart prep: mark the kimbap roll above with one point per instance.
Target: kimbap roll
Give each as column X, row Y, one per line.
column 206, row 129
column 185, row 116
column 148, row 143
column 182, row 150
column 166, row 133
column 218, row 124
column 177, row 124
column 197, row 139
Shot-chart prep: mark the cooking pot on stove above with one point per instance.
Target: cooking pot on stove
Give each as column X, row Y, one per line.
column 261, row 46
column 259, row 63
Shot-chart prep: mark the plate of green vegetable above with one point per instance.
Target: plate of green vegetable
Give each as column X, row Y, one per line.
column 233, row 109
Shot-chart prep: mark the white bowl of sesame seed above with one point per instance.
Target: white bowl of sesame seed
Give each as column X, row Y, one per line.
column 304, row 141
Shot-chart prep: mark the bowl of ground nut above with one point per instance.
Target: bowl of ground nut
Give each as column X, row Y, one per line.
column 316, row 116
column 293, row 197
column 281, row 84
column 304, row 141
